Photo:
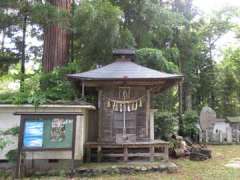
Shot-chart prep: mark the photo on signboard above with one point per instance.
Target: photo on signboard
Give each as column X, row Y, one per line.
column 58, row 130
column 33, row 134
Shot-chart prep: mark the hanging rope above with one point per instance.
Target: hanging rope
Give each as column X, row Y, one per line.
column 119, row 105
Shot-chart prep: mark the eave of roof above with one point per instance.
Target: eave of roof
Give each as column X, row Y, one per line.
column 124, row 70
column 47, row 106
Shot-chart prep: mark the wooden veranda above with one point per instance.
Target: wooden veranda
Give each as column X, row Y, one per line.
column 126, row 151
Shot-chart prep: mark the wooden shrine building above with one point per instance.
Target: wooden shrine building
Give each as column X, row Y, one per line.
column 124, row 124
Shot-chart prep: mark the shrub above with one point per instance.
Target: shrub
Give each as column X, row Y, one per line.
column 40, row 88
column 165, row 124
column 14, row 131
column 154, row 58
column 190, row 119
column 12, row 155
column 56, row 86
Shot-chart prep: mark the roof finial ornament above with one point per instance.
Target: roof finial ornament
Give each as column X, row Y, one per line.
column 124, row 54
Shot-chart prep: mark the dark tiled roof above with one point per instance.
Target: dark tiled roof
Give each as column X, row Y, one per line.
column 123, row 69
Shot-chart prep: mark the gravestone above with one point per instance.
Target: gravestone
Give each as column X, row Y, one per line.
column 207, row 118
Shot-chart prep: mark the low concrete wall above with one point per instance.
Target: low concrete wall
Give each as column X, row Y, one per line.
column 9, row 120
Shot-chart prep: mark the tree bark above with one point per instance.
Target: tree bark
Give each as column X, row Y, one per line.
column 56, row 41
column 23, row 54
column 3, row 39
column 187, row 97
column 180, row 108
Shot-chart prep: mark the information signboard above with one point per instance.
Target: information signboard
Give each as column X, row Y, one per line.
column 50, row 132
column 46, row 132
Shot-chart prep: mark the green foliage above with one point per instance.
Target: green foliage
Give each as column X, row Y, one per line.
column 151, row 24
column 228, row 84
column 55, row 85
column 12, row 156
column 6, row 59
column 12, row 131
column 40, row 88
column 4, row 140
column 153, row 58
column 5, row 175
column 166, row 100
column 165, row 124
column 190, row 120
column 47, row 14
column 97, row 25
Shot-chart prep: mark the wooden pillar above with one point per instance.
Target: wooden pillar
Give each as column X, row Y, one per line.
column 152, row 124
column 73, row 144
column 148, row 96
column 99, row 115
column 152, row 151
column 83, row 89
column 166, row 153
column 19, row 151
column 88, row 154
column 180, row 106
column 99, row 154
column 125, row 154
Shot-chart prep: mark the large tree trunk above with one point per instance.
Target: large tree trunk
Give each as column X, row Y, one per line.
column 187, row 92
column 56, row 41
column 23, row 57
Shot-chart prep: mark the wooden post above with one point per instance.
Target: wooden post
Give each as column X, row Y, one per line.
column 125, row 156
column 180, row 107
column 19, row 151
column 83, row 89
column 99, row 154
column 73, row 144
column 151, row 150
column 88, row 154
column 147, row 112
column 99, row 115
column 166, row 153
column 152, row 124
